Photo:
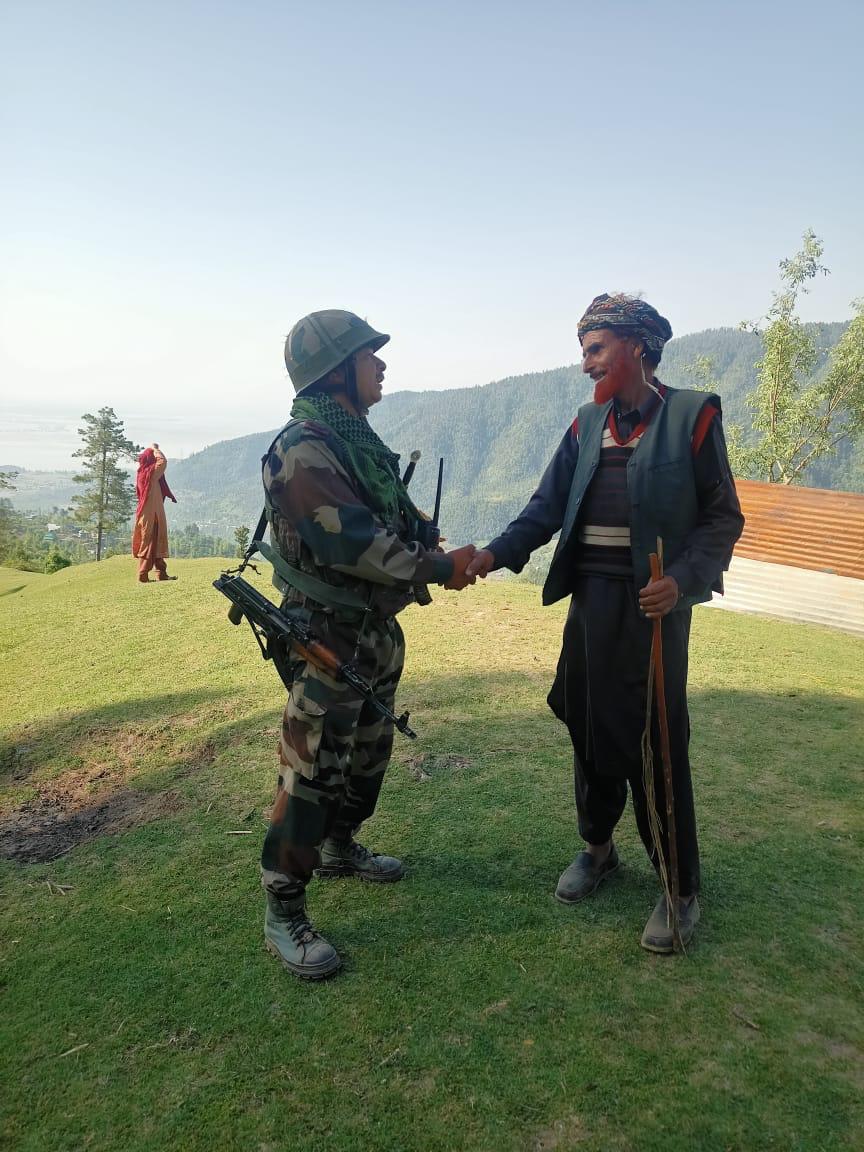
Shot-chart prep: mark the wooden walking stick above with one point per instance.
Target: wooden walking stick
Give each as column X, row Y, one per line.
column 656, row 679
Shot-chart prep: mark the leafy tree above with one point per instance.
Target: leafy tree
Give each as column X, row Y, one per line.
column 703, row 374
column 22, row 556
column 191, row 541
column 241, row 538
column 45, row 542
column 801, row 415
column 109, row 498
column 6, row 479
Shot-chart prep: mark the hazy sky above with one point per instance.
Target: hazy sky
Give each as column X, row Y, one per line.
column 181, row 181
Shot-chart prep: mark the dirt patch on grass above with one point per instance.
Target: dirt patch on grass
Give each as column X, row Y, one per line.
column 68, row 811
column 848, row 1056
column 563, row 1134
column 427, row 764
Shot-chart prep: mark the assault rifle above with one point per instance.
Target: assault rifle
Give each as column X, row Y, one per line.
column 269, row 623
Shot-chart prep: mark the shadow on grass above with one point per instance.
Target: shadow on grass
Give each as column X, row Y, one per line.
column 488, row 733
column 12, row 591
column 776, row 714
column 777, row 780
column 155, row 742
column 29, row 747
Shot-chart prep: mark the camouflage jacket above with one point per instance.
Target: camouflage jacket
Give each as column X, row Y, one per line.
column 321, row 524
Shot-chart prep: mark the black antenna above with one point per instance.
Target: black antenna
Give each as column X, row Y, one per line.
column 438, row 491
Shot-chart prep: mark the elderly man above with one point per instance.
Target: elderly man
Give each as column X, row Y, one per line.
column 642, row 461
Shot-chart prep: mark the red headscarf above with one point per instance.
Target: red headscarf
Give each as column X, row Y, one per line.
column 146, row 465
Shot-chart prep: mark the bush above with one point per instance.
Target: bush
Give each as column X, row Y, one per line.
column 20, row 557
column 55, row 561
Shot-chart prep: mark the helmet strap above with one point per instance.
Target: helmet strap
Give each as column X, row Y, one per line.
column 351, row 382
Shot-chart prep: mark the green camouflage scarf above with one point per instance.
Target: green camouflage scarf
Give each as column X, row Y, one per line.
column 370, row 460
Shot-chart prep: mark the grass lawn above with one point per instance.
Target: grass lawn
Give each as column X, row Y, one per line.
column 140, row 1011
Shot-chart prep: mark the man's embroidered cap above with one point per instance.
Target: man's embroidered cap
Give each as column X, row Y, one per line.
column 628, row 313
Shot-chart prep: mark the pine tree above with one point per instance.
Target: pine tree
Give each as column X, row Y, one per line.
column 109, row 497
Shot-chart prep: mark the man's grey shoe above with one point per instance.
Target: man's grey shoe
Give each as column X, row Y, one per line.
column 584, row 876
column 657, row 936
column 290, row 936
column 348, row 858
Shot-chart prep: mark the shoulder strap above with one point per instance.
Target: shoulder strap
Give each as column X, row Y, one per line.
column 258, row 534
column 315, row 589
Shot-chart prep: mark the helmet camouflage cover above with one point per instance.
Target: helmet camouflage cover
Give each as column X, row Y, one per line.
column 322, row 340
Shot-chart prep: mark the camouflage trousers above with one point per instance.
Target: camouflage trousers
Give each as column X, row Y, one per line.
column 333, row 751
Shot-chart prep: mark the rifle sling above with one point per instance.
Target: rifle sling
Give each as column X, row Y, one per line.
column 315, row 589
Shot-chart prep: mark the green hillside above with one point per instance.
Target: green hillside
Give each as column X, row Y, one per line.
column 140, row 1012
column 496, row 439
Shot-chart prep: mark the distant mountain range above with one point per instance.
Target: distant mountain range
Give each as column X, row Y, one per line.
column 495, row 439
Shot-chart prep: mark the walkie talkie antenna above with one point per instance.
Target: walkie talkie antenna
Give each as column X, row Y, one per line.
column 438, row 491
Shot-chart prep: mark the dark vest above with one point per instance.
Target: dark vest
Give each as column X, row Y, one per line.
column 660, row 486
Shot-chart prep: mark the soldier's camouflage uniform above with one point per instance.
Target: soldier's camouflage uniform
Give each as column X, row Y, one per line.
column 334, row 747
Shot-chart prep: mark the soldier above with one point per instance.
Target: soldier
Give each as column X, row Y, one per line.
column 345, row 528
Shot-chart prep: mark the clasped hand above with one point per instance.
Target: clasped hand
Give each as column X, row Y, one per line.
column 461, row 576
column 482, row 564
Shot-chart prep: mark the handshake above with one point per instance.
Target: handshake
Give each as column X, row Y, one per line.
column 468, row 564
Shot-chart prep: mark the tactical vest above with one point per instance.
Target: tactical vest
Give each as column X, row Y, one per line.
column 660, row 485
column 347, row 603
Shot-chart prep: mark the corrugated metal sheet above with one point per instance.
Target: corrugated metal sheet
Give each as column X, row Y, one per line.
column 793, row 593
column 810, row 528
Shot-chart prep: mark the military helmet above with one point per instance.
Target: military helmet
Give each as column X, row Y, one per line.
column 322, row 340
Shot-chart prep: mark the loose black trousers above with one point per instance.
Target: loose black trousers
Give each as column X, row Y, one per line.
column 600, row 693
